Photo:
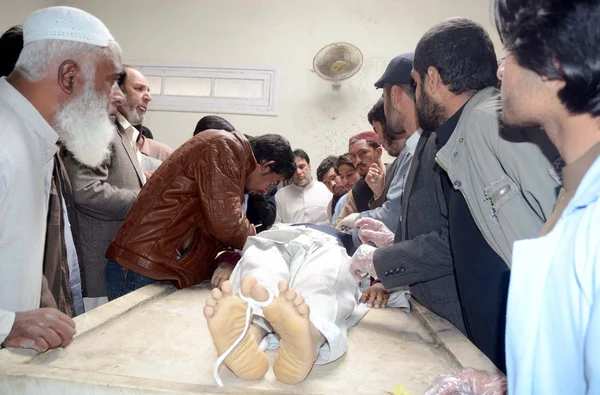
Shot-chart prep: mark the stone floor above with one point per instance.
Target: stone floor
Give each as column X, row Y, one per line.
column 155, row 341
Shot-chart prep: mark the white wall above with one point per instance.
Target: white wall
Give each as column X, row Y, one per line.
column 14, row 12
column 284, row 34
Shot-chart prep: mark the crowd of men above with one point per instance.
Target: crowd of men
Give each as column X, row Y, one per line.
column 488, row 213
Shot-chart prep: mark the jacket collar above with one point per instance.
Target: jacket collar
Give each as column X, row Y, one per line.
column 457, row 140
column 251, row 162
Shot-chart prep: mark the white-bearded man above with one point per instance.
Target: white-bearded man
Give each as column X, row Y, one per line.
column 57, row 95
column 103, row 196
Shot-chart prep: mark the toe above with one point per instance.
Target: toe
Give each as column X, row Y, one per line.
column 259, row 293
column 208, row 311
column 283, row 286
column 210, row 302
column 304, row 310
column 247, row 284
column 290, row 295
column 298, row 300
column 227, row 288
column 216, row 293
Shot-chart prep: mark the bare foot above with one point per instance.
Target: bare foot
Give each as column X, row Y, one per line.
column 289, row 317
column 226, row 316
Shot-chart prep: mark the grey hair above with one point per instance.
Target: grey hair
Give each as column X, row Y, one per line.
column 39, row 58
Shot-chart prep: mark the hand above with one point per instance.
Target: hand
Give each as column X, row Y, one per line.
column 148, row 174
column 41, row 329
column 469, row 382
column 362, row 261
column 221, row 274
column 375, row 179
column 375, row 232
column 375, row 296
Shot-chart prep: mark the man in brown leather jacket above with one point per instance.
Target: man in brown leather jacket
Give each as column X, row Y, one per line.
column 191, row 209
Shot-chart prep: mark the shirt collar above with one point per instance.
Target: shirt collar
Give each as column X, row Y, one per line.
column 30, row 115
column 444, row 132
column 309, row 186
column 121, row 120
column 573, row 173
column 412, row 141
column 127, row 127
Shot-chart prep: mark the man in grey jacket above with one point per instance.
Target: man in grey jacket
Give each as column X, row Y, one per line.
column 419, row 253
column 499, row 185
column 103, row 197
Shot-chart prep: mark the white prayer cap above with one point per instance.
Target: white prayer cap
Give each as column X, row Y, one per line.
column 65, row 23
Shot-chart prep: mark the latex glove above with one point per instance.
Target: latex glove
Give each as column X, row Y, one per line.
column 469, row 382
column 375, row 179
column 375, row 296
column 362, row 261
column 374, row 232
column 221, row 274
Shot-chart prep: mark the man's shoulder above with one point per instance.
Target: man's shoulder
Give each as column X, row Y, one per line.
column 286, row 190
column 488, row 110
column 321, row 188
column 13, row 128
column 17, row 145
column 159, row 146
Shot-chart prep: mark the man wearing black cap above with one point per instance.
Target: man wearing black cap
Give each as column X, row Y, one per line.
column 420, row 255
column 404, row 135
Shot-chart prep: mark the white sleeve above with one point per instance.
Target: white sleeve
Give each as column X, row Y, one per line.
column 592, row 336
column 7, row 319
column 278, row 207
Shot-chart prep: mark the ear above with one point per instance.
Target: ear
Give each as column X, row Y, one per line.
column 67, row 76
column 395, row 96
column 555, row 83
column 266, row 166
column 434, row 80
column 379, row 152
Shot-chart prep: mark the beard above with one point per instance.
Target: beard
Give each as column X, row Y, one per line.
column 339, row 190
column 394, row 120
column 302, row 182
column 131, row 114
column 84, row 127
column 430, row 114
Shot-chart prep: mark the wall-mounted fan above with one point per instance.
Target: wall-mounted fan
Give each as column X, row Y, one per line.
column 337, row 62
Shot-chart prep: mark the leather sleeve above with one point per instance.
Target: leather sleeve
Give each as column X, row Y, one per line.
column 221, row 177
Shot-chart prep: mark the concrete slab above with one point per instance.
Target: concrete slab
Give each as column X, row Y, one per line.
column 156, row 341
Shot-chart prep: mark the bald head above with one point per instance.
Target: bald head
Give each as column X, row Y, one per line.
column 136, row 89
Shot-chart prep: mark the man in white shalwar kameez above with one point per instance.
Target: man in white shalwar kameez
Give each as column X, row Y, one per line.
column 59, row 92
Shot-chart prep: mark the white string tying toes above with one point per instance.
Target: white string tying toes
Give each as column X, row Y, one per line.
column 252, row 305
